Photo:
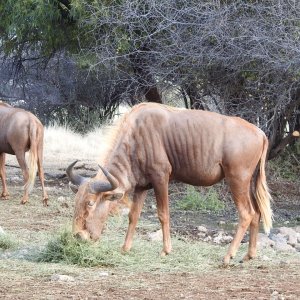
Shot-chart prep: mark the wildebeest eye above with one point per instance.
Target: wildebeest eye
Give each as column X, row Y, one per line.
column 91, row 203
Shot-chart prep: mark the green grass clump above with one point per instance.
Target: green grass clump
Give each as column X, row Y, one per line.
column 143, row 257
column 194, row 200
column 65, row 247
column 7, row 242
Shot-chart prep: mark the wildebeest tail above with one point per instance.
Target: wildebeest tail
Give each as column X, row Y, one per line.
column 263, row 197
column 32, row 162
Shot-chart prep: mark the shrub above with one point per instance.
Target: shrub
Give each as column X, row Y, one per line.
column 7, row 242
column 287, row 165
column 208, row 201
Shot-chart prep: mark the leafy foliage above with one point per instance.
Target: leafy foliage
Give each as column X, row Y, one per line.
column 194, row 200
column 235, row 57
column 287, row 165
column 7, row 242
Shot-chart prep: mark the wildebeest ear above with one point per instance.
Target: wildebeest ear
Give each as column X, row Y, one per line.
column 73, row 187
column 114, row 196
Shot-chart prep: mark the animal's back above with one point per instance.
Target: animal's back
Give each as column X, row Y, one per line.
column 198, row 145
column 15, row 125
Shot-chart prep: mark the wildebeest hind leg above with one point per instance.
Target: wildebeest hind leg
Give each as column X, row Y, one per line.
column 254, row 228
column 22, row 162
column 5, row 193
column 134, row 214
column 42, row 178
column 241, row 195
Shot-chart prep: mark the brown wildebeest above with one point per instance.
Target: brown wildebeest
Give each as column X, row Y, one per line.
column 21, row 131
column 154, row 144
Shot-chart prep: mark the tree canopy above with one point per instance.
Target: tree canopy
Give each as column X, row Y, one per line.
column 235, row 57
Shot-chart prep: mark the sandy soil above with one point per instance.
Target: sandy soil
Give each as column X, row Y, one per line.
column 25, row 280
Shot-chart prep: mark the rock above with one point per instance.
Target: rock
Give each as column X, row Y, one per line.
column 297, row 247
column 201, row 234
column 290, row 234
column 103, row 274
column 155, row 236
column 218, row 238
column 202, row 229
column 207, row 239
column 297, row 229
column 125, row 211
column 61, row 199
column 276, row 296
column 227, row 239
column 281, row 243
column 264, row 241
column 222, row 222
column 64, row 278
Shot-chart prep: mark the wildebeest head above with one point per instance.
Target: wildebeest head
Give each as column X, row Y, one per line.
column 92, row 202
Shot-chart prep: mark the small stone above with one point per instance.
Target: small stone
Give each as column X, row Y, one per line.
column 61, row 199
column 222, row 222
column 265, row 258
column 207, row 239
column 2, row 232
column 201, row 234
column 103, row 274
column 64, row 278
column 218, row 239
column 155, row 236
column 227, row 239
column 202, row 229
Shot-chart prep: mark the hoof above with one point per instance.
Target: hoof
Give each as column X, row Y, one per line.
column 125, row 250
column 227, row 260
column 5, row 196
column 164, row 253
column 45, row 202
column 246, row 258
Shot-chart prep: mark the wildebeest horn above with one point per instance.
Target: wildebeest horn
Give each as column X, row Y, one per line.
column 100, row 186
column 75, row 178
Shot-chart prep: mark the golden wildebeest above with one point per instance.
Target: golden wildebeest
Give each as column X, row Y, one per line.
column 154, row 144
column 21, row 131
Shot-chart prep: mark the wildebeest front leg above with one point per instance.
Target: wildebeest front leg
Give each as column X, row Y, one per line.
column 5, row 193
column 134, row 214
column 42, row 179
column 162, row 201
column 22, row 162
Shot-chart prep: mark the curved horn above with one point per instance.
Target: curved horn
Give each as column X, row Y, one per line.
column 100, row 186
column 75, row 178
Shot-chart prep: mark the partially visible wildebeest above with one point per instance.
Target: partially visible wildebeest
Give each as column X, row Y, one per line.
column 154, row 144
column 21, row 131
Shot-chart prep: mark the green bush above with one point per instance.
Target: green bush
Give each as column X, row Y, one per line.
column 287, row 164
column 208, row 201
column 7, row 242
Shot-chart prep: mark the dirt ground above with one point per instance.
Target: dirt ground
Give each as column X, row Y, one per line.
column 33, row 223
